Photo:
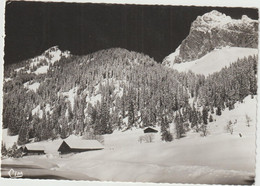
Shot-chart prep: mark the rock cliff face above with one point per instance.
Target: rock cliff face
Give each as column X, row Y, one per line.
column 215, row 30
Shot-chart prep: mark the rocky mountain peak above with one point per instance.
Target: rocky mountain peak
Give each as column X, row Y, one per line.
column 215, row 30
column 210, row 20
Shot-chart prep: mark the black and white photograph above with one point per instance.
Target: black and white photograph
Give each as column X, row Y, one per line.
column 129, row 93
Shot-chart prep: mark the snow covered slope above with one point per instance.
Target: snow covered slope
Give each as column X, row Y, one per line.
column 214, row 61
column 238, row 116
column 193, row 159
column 8, row 140
column 219, row 158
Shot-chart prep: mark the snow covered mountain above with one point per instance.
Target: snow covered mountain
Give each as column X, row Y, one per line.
column 68, row 89
column 57, row 94
column 215, row 30
column 40, row 64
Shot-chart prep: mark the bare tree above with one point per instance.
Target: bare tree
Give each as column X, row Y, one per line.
column 248, row 120
column 230, row 127
column 148, row 138
column 204, row 130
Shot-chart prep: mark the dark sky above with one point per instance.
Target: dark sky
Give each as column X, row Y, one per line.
column 33, row 27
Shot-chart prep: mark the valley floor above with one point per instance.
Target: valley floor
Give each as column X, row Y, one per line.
column 219, row 158
column 222, row 159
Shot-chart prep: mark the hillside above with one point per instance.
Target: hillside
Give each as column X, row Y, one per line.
column 115, row 89
column 107, row 90
column 213, row 61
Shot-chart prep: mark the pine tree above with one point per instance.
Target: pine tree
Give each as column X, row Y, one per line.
column 179, row 125
column 194, row 119
column 218, row 112
column 205, row 115
column 3, row 150
column 64, row 131
column 166, row 135
column 23, row 136
column 70, row 113
column 45, row 131
column 93, row 115
column 131, row 114
column 210, row 118
column 102, row 122
column 14, row 152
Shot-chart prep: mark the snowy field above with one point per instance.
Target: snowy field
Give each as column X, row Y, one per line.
column 219, row 158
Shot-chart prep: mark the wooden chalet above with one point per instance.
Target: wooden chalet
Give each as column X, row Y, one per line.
column 32, row 150
column 75, row 145
column 150, row 130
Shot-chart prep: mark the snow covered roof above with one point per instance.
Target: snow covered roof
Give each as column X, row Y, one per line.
column 34, row 146
column 150, row 129
column 79, row 143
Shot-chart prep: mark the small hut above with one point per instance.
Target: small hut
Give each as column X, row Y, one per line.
column 32, row 150
column 150, row 130
column 74, row 145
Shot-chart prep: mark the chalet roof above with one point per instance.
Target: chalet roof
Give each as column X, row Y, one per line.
column 34, row 147
column 150, row 128
column 79, row 143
